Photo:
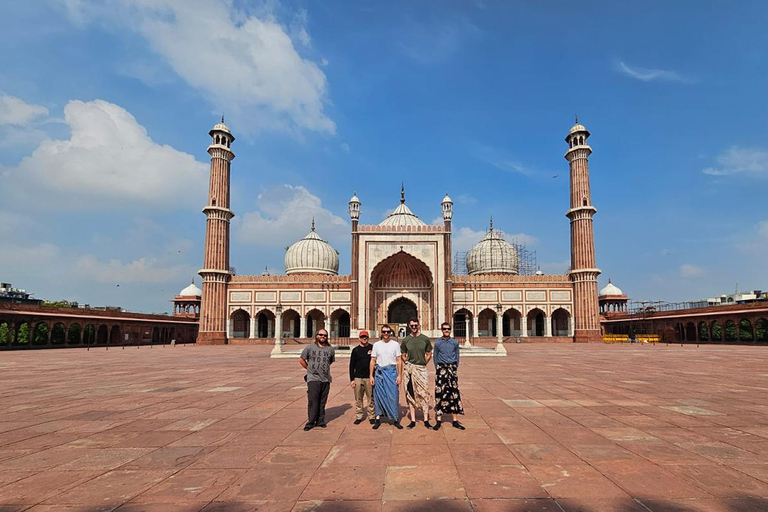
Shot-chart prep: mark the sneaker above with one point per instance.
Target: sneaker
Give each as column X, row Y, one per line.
column 458, row 425
column 357, row 422
column 322, row 425
column 372, row 421
column 308, row 427
column 410, row 425
column 437, row 425
column 376, row 424
column 398, row 426
column 426, row 424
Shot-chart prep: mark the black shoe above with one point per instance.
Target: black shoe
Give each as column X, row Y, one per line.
column 398, row 426
column 458, row 425
column 410, row 425
column 437, row 425
column 308, row 427
column 322, row 425
column 357, row 422
column 371, row 421
column 426, row 424
column 376, row 424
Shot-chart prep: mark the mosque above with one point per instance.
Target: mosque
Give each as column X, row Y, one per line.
column 400, row 268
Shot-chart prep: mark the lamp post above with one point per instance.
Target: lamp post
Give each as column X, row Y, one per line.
column 278, row 349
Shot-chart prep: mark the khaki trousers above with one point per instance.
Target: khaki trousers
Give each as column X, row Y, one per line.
column 363, row 387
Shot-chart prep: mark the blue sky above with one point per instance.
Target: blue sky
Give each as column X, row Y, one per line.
column 105, row 108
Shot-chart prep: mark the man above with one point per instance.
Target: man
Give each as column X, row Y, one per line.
column 416, row 352
column 317, row 359
column 386, row 372
column 447, row 396
column 360, row 377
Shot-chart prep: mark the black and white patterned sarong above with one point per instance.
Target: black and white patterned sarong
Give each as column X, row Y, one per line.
column 447, row 396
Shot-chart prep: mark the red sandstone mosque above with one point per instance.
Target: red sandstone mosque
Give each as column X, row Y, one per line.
column 400, row 267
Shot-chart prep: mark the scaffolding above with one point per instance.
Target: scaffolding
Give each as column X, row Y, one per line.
column 527, row 264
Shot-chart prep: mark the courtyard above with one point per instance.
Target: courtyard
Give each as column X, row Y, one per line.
column 549, row 428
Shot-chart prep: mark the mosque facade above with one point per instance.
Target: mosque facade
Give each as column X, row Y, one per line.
column 400, row 268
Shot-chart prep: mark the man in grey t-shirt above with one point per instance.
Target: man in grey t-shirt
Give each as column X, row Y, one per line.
column 317, row 359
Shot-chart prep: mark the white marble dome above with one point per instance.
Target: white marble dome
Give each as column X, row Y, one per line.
column 578, row 127
column 402, row 216
column 492, row 255
column 312, row 254
column 191, row 291
column 610, row 290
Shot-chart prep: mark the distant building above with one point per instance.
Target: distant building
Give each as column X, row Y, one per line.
column 738, row 298
column 16, row 295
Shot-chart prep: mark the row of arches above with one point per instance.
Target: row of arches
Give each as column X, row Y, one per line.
column 41, row 334
column 728, row 331
column 513, row 323
column 290, row 324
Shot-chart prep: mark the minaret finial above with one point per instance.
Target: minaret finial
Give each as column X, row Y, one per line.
column 491, row 222
column 577, row 119
column 313, row 223
column 222, row 118
column 402, row 193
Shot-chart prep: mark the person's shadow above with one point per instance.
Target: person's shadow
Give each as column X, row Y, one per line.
column 336, row 411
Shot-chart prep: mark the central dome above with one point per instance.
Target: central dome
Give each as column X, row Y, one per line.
column 402, row 216
column 492, row 255
column 311, row 254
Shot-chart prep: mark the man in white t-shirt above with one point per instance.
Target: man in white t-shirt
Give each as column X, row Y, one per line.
column 386, row 373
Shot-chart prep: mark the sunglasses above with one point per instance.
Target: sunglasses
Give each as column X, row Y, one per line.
column 446, row 329
column 386, row 332
column 363, row 337
column 413, row 326
column 322, row 335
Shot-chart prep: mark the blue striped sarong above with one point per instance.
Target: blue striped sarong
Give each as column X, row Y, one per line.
column 385, row 392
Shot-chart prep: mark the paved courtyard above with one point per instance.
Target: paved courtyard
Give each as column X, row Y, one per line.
column 549, row 428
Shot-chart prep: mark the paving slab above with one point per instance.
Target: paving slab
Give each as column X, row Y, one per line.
column 549, row 428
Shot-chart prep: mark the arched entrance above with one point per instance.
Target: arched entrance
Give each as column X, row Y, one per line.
column 241, row 324
column 535, row 322
column 340, row 324
column 401, row 287
column 401, row 310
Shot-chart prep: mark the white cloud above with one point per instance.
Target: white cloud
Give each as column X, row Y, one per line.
column 465, row 199
column 15, row 111
column 689, row 270
column 651, row 75
column 285, row 216
column 762, row 229
column 345, row 147
column 463, row 239
column 245, row 64
column 109, row 160
column 142, row 270
column 500, row 159
column 736, row 160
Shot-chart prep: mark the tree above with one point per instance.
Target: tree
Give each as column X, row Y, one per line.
column 4, row 334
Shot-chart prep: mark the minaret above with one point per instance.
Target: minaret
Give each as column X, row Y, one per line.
column 215, row 271
column 447, row 205
column 583, row 271
column 354, row 215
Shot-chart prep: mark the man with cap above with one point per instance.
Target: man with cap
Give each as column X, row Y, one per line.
column 360, row 378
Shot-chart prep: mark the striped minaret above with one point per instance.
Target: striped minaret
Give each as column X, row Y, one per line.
column 215, row 271
column 584, row 270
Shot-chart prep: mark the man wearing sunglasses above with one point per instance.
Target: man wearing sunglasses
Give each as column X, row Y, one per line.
column 360, row 377
column 447, row 395
column 317, row 359
column 416, row 352
column 386, row 371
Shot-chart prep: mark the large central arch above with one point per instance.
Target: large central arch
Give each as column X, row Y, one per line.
column 394, row 283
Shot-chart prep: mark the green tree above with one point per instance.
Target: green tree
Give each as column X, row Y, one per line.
column 22, row 337
column 4, row 334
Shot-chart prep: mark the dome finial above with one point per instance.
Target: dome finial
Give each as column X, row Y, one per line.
column 402, row 193
column 491, row 222
column 313, row 223
column 609, row 280
column 577, row 119
column 222, row 117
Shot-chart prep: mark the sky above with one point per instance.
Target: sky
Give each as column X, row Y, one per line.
column 105, row 108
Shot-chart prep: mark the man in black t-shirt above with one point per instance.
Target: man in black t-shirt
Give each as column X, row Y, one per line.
column 360, row 377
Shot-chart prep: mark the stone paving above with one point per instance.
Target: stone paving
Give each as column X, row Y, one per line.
column 549, row 428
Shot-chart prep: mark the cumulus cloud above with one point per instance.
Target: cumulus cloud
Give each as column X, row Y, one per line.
column 285, row 215
column 15, row 111
column 246, row 64
column 650, row 75
column 463, row 239
column 109, row 160
column 742, row 161
column 689, row 270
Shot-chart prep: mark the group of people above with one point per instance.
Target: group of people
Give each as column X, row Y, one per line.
column 376, row 372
